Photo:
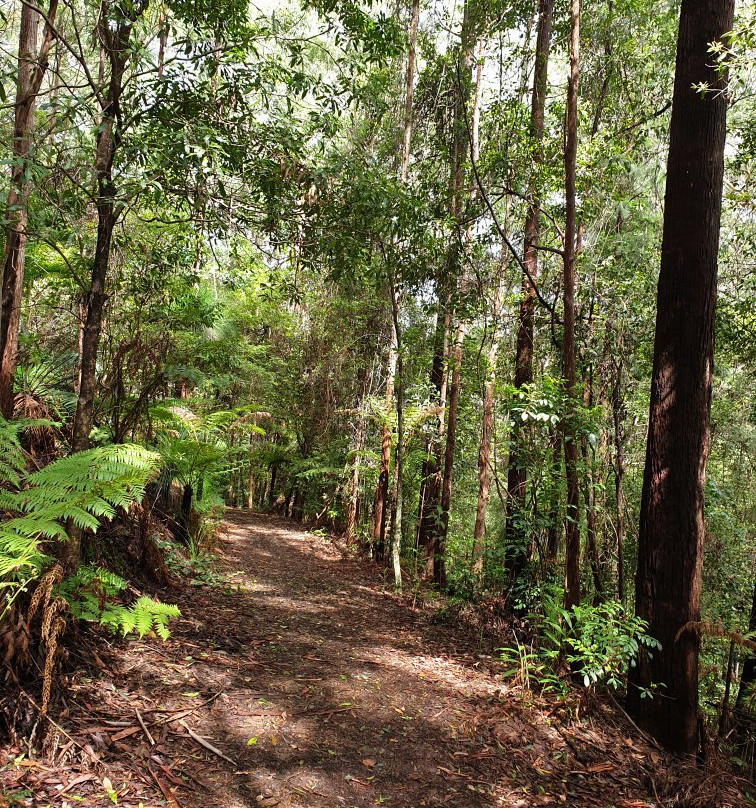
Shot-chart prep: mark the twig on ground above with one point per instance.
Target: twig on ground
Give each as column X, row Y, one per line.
column 144, row 727
column 202, row 742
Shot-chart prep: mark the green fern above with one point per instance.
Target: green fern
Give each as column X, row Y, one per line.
column 91, row 594
column 83, row 488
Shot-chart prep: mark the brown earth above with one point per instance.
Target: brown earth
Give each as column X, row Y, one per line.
column 298, row 680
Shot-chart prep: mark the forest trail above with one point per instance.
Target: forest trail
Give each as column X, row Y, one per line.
column 322, row 690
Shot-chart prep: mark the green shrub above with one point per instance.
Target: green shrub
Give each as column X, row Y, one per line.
column 601, row 643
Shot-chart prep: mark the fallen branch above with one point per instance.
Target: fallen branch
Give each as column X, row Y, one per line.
column 144, row 727
column 207, row 745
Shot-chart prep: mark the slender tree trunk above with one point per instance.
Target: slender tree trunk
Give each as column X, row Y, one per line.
column 396, row 532
column 572, row 529
column 381, row 498
column 439, row 566
column 516, row 543
column 430, row 487
column 484, row 449
column 272, row 489
column 409, row 89
column 114, row 36
column 251, row 478
column 671, row 535
column 461, row 145
column 354, row 483
column 618, row 416
column 31, row 72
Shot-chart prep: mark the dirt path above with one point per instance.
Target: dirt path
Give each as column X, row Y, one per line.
column 321, row 690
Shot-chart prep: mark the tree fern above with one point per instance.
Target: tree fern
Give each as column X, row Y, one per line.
column 83, row 488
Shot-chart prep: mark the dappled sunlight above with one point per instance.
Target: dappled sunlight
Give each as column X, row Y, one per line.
column 295, row 680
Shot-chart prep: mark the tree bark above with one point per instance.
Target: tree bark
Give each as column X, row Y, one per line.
column 32, row 67
column 671, row 535
column 251, row 478
column 439, row 559
column 572, row 529
column 114, row 37
column 554, row 532
column 517, row 476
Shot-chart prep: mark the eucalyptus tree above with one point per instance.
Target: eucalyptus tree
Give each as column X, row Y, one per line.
column 670, row 543
column 523, row 374
column 32, row 67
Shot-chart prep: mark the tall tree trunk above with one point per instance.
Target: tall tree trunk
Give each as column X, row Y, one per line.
column 572, row 523
column 381, row 498
column 396, row 531
column 671, row 535
column 486, row 435
column 618, row 416
column 439, row 565
column 429, row 502
column 114, row 36
column 460, row 148
column 31, row 71
column 516, row 543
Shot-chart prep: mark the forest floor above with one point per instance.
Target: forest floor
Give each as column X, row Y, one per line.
column 295, row 678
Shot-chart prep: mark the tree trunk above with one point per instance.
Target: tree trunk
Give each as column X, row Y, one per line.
column 114, row 36
column 429, row 502
column 251, row 478
column 439, row 566
column 396, row 531
column 572, row 523
column 380, row 500
column 516, row 543
column 460, row 148
column 484, row 448
column 589, row 496
column 31, row 71
column 618, row 415
column 671, row 535
column 350, row 530
column 271, row 490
